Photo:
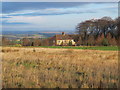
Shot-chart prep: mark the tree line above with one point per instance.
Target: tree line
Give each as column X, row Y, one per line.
column 24, row 42
column 35, row 42
column 104, row 31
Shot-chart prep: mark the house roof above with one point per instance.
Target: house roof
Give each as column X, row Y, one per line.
column 63, row 37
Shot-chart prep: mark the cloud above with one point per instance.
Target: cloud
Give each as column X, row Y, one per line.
column 14, row 23
column 24, row 19
column 51, row 11
column 10, row 7
column 53, row 16
column 88, row 8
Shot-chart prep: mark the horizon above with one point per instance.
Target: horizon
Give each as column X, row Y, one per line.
column 52, row 16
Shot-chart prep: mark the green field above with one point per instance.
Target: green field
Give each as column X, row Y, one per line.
column 105, row 48
column 111, row 48
column 16, row 42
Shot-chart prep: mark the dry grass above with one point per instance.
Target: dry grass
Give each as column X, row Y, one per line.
column 58, row 68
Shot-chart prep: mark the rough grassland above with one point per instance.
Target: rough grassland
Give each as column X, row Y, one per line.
column 58, row 68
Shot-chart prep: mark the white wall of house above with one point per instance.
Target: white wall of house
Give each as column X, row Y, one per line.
column 65, row 42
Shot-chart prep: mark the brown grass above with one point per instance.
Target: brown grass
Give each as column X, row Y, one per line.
column 58, row 68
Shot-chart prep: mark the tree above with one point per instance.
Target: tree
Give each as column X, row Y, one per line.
column 45, row 42
column 26, row 42
column 70, row 43
column 62, row 43
column 85, row 28
column 118, row 31
column 104, row 25
column 91, row 40
column 99, row 39
column 36, row 42
column 105, row 42
column 5, row 41
column 111, row 39
column 96, row 28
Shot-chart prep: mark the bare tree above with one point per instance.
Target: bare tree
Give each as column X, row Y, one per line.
column 96, row 28
column 26, row 42
column 36, row 42
column 5, row 41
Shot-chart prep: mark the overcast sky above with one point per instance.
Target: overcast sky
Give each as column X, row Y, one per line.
column 52, row 16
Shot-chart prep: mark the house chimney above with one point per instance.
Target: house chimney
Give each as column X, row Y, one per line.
column 63, row 33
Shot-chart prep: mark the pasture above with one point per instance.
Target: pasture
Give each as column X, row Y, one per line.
column 35, row 67
column 105, row 48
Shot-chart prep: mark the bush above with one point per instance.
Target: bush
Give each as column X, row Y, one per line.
column 105, row 42
column 70, row 43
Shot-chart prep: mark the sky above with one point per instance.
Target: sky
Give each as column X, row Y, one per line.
column 60, row 0
column 52, row 16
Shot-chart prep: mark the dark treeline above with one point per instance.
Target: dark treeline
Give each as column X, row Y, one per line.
column 4, row 41
column 104, row 31
column 25, row 42
column 34, row 42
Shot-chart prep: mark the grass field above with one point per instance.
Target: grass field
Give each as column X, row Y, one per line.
column 105, row 48
column 113, row 48
column 38, row 67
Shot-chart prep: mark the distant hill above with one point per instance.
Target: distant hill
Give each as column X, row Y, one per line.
column 30, row 34
column 18, row 32
column 50, row 34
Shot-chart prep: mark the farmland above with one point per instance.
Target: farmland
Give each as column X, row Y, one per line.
column 104, row 48
column 41, row 67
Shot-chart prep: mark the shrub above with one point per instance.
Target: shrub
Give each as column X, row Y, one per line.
column 105, row 42
column 70, row 43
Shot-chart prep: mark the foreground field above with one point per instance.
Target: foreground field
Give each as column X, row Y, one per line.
column 59, row 68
